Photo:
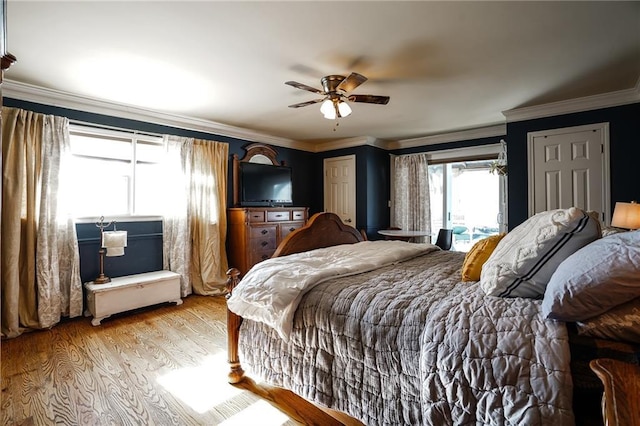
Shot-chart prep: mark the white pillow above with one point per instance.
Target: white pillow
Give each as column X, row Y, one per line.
column 596, row 278
column 524, row 260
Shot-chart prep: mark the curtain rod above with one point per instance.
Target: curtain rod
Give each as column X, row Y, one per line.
column 118, row 129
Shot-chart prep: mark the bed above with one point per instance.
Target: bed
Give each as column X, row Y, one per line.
column 401, row 340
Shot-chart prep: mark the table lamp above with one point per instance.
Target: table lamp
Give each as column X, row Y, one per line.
column 626, row 215
column 114, row 242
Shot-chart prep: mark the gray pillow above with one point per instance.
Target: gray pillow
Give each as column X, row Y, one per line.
column 524, row 260
column 596, row 278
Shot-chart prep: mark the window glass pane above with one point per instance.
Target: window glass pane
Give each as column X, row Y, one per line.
column 149, row 190
column 149, row 151
column 149, row 174
column 475, row 203
column 101, row 187
column 102, row 147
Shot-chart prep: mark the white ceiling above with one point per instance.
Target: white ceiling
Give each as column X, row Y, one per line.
column 447, row 66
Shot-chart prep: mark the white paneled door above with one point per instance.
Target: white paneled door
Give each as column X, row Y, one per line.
column 569, row 168
column 340, row 188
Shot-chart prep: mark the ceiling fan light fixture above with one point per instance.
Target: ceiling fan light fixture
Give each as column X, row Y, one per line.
column 344, row 109
column 328, row 110
column 336, row 92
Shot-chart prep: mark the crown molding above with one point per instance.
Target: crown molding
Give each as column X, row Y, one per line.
column 462, row 135
column 587, row 103
column 32, row 93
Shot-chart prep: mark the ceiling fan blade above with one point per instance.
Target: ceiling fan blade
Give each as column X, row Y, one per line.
column 304, row 87
column 354, row 80
column 301, row 104
column 370, row 99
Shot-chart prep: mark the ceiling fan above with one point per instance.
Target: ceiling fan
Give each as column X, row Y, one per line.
column 336, row 93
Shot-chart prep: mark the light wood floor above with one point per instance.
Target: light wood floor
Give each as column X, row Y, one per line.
column 163, row 365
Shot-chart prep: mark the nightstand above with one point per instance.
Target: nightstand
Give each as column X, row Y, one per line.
column 621, row 399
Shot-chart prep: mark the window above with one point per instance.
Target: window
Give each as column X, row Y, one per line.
column 115, row 173
column 465, row 197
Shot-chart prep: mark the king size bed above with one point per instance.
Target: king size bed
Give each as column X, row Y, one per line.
column 388, row 333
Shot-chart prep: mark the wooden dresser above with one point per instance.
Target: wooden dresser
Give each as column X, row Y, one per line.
column 253, row 233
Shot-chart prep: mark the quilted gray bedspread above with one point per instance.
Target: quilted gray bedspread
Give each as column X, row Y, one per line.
column 411, row 344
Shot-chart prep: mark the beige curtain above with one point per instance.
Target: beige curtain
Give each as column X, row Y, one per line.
column 195, row 226
column 40, row 258
column 208, row 188
column 412, row 208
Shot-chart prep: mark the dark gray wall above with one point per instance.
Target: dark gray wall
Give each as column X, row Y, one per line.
column 142, row 254
column 372, row 168
column 372, row 186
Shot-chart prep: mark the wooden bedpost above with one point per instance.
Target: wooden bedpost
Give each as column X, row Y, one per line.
column 236, row 375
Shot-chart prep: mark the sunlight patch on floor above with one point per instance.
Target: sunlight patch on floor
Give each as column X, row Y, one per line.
column 267, row 415
column 201, row 387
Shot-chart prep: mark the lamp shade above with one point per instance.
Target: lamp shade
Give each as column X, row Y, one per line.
column 626, row 215
column 114, row 242
column 344, row 109
column 328, row 110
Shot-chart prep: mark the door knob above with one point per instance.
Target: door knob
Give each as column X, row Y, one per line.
column 348, row 220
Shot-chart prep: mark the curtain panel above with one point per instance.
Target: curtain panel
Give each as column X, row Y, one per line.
column 40, row 261
column 411, row 202
column 195, row 224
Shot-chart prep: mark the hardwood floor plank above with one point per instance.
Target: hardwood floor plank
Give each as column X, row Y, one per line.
column 160, row 365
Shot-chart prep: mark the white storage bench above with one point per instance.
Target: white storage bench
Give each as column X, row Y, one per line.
column 131, row 292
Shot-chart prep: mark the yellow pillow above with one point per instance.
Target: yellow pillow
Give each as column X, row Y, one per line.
column 475, row 258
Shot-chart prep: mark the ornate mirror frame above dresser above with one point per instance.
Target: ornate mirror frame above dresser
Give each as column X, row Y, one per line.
column 255, row 153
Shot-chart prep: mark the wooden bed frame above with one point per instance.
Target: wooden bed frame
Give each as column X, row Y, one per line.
column 322, row 230
column 327, row 229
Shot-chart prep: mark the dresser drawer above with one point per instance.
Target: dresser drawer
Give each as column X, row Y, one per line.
column 263, row 232
column 297, row 214
column 265, row 243
column 258, row 256
column 256, row 216
column 287, row 228
column 278, row 216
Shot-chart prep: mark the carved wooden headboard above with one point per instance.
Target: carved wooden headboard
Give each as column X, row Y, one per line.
column 322, row 230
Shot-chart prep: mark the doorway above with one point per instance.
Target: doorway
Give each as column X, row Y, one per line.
column 340, row 188
column 569, row 167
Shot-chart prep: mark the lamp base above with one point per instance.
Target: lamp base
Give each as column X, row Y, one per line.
column 102, row 279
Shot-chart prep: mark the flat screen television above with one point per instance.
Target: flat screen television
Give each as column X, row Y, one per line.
column 265, row 185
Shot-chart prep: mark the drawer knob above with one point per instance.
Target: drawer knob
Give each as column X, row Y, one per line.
column 264, row 243
column 265, row 232
column 279, row 215
column 292, row 229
